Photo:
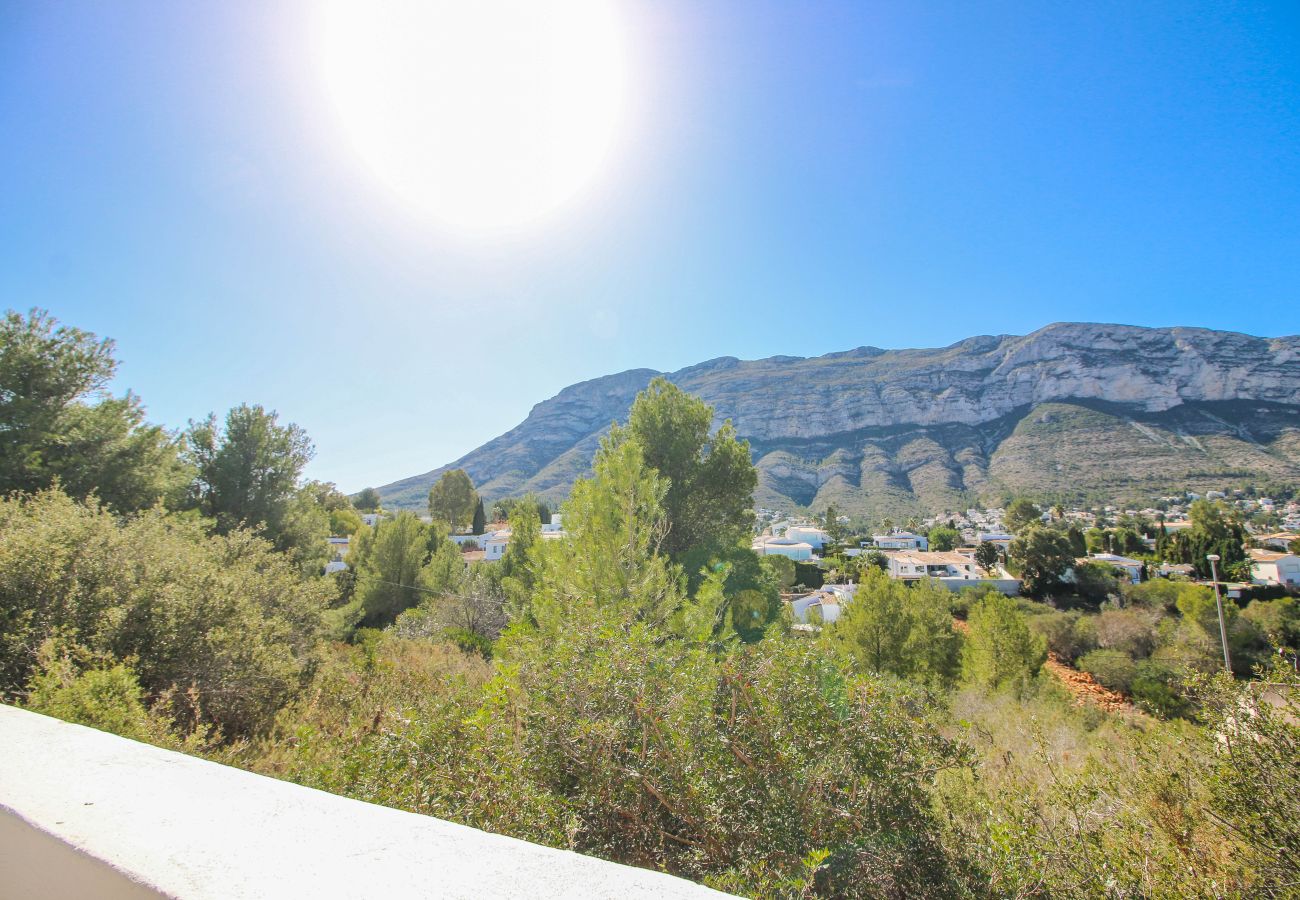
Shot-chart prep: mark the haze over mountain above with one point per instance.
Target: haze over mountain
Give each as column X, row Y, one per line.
column 1071, row 410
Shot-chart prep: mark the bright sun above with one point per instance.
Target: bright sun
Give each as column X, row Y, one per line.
column 484, row 114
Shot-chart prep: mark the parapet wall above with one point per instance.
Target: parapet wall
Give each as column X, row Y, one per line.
column 86, row 814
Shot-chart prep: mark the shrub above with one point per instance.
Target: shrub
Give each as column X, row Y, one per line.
column 1000, row 648
column 1068, row 634
column 1113, row 668
column 225, row 616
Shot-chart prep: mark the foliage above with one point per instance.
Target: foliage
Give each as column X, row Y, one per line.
column 59, row 425
column 1212, row 532
column 453, row 500
column 367, row 500
column 1042, row 556
column 223, row 615
column 478, row 522
column 344, row 522
column 390, row 564
column 709, row 479
column 1020, row 515
column 246, row 476
column 1068, row 634
column 892, row 628
column 781, row 569
column 1097, row 580
column 1000, row 648
column 943, row 538
column 1115, row 669
column 988, row 556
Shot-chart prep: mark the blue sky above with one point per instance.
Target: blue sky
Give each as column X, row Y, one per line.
column 797, row 178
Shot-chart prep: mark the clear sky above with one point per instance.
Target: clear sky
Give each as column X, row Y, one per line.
column 789, row 178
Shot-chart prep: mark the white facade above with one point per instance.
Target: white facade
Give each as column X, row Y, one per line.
column 811, row 535
column 338, row 552
column 787, row 547
column 901, row 540
column 912, row 564
column 494, row 544
column 1274, row 568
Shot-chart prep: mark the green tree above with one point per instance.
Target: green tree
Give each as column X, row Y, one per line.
column 1078, row 543
column 1042, row 557
column 988, row 556
column 58, row 422
column 389, row 561
column 479, row 522
column 1021, row 514
column 710, row 479
column 942, row 538
column 453, row 499
column 892, row 628
column 247, row 470
column 781, row 569
column 367, row 500
column 345, row 522
column 1000, row 647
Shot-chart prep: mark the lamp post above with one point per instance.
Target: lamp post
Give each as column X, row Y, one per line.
column 1218, row 602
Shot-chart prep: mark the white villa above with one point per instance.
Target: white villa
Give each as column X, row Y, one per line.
column 828, row 600
column 901, row 540
column 494, row 543
column 912, row 564
column 1268, row 567
column 809, row 534
column 338, row 552
column 1279, row 541
column 1133, row 567
column 782, row 546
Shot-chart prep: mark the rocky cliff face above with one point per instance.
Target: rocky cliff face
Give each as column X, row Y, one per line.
column 931, row 429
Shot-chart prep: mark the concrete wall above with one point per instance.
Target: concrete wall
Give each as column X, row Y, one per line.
column 87, row 814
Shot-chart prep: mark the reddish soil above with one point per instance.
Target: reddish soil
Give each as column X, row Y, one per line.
column 1083, row 687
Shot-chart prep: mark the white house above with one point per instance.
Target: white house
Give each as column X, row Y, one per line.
column 1267, row 567
column 1279, row 541
column 810, row 534
column 1000, row 539
column 901, row 540
column 782, row 546
column 912, row 564
column 1132, row 567
column 338, row 552
column 829, row 600
column 371, row 519
column 494, row 545
column 555, row 526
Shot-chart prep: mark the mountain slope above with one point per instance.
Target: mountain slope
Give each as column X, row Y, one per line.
column 1103, row 410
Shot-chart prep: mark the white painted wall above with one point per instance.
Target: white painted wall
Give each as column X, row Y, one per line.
column 195, row 830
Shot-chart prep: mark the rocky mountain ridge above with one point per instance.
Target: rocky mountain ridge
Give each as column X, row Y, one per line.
column 1071, row 408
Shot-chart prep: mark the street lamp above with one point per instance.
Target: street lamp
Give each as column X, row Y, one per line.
column 1218, row 602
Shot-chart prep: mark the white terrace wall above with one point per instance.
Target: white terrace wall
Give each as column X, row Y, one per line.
column 87, row 814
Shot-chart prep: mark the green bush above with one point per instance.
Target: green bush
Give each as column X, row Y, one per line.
column 1113, row 668
column 226, row 617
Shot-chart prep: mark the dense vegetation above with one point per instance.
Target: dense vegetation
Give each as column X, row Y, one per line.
column 622, row 693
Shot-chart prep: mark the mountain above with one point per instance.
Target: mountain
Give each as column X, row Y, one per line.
column 1072, row 410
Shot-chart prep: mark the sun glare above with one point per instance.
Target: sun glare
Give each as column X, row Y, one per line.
column 483, row 114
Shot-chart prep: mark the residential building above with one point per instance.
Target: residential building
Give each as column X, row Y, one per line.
column 783, row 546
column 1268, row 567
column 338, row 551
column 809, row 534
column 901, row 540
column 912, row 564
column 1278, row 540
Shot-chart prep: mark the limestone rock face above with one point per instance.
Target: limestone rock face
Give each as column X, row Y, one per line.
column 891, row 425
